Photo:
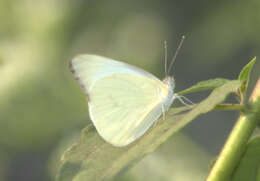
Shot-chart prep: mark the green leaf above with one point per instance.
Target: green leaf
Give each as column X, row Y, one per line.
column 248, row 168
column 92, row 159
column 205, row 85
column 245, row 74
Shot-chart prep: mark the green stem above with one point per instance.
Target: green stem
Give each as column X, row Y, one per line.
column 233, row 149
column 236, row 143
column 230, row 107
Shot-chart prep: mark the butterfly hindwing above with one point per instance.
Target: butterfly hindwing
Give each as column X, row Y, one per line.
column 122, row 106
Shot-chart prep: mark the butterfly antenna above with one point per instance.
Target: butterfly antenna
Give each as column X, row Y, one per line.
column 176, row 53
column 165, row 58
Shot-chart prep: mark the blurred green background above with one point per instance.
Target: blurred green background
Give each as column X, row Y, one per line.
column 42, row 108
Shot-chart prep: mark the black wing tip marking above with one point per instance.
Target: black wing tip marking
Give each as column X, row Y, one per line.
column 73, row 71
column 71, row 67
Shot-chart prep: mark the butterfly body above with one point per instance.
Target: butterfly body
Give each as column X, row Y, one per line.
column 124, row 101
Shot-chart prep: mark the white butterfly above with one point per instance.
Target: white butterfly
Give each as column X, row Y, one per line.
column 124, row 101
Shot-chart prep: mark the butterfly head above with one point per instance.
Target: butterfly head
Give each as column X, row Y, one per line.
column 169, row 82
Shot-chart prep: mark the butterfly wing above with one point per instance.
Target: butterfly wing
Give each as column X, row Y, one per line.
column 124, row 101
column 89, row 68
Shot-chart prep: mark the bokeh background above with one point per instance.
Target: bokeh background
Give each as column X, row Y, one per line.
column 42, row 108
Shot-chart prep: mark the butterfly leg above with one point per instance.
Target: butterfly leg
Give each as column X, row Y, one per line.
column 163, row 112
column 163, row 109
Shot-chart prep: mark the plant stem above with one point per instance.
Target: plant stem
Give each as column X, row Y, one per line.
column 230, row 107
column 236, row 144
column 233, row 149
